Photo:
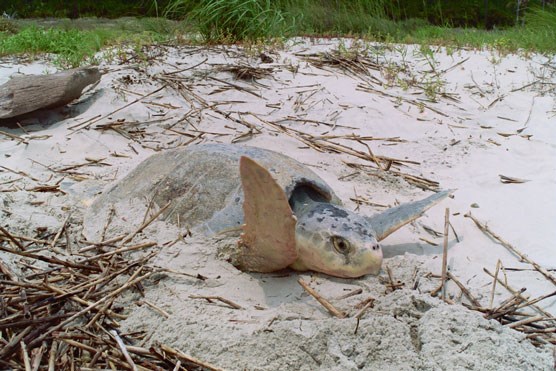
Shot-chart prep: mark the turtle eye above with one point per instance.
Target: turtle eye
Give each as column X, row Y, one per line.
column 341, row 244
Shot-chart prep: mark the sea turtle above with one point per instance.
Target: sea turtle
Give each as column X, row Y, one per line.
column 289, row 216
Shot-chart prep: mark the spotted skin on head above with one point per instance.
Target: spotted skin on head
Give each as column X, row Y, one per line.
column 336, row 241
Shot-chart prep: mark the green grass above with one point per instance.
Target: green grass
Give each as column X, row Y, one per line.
column 75, row 42
column 538, row 34
column 70, row 46
column 222, row 21
column 232, row 20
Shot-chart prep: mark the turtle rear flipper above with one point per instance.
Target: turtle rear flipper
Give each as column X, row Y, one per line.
column 268, row 239
column 392, row 219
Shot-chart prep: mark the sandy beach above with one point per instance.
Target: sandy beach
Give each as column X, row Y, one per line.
column 382, row 124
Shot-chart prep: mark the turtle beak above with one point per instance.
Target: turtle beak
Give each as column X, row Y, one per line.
column 372, row 260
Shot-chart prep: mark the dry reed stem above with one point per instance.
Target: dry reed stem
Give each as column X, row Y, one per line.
column 9, row 236
column 464, row 289
column 189, row 359
column 514, row 292
column 526, row 321
column 325, row 303
column 122, row 347
column 483, row 227
column 445, row 252
column 86, row 124
column 218, row 298
column 498, row 264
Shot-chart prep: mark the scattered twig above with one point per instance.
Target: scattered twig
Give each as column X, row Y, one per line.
column 511, row 180
column 483, row 227
column 155, row 307
column 86, row 124
column 498, row 264
column 218, row 298
column 526, row 321
column 514, row 292
column 189, row 359
column 355, row 292
column 325, row 303
column 9, row 236
column 124, row 350
column 445, row 252
column 463, row 289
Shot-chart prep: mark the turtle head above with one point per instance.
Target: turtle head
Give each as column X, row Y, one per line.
column 336, row 241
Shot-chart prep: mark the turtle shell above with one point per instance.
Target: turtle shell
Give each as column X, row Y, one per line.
column 201, row 184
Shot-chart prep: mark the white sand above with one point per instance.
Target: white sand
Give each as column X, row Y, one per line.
column 281, row 327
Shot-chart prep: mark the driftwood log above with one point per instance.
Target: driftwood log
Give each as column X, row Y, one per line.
column 24, row 94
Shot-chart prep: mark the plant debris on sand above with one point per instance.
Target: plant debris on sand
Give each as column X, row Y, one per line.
column 380, row 123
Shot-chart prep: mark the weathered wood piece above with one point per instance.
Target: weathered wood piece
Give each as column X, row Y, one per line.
column 24, row 94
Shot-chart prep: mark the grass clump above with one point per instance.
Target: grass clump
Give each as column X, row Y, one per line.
column 76, row 43
column 70, row 46
column 336, row 17
column 232, row 20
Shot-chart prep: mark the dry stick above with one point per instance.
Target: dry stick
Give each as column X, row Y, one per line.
column 88, row 163
column 13, row 136
column 508, row 306
column 94, row 245
column 238, row 87
column 49, row 260
column 100, row 312
column 29, row 239
column 8, row 348
column 7, row 271
column 11, row 238
column 454, row 231
column 350, row 294
column 365, row 307
column 60, row 231
column 498, row 263
column 514, row 250
column 325, row 303
column 132, row 281
column 123, row 349
column 26, row 360
column 393, row 285
column 455, row 65
column 188, row 358
column 97, row 353
column 435, row 291
column 360, row 314
column 31, row 321
column 445, row 251
column 185, row 69
column 37, row 357
column 140, row 246
column 526, row 321
column 104, row 278
column 52, row 355
column 145, row 224
column 81, row 301
column 534, row 301
column 155, row 308
column 22, row 173
column 514, row 291
column 89, row 123
column 219, row 298
column 464, row 289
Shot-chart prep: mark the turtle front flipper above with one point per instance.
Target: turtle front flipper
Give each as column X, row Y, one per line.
column 392, row 219
column 268, row 239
